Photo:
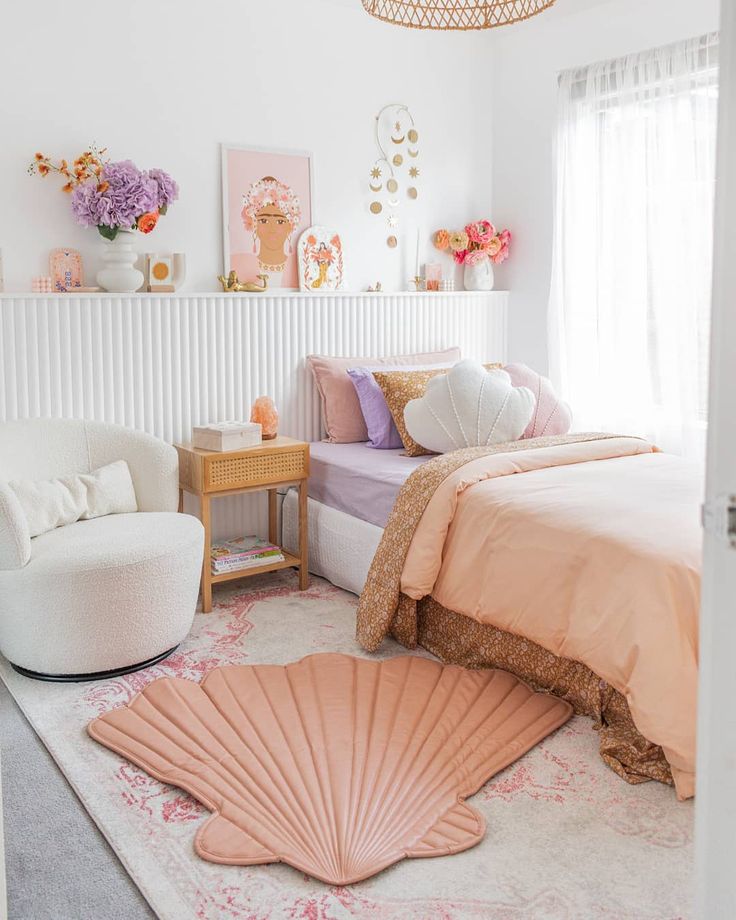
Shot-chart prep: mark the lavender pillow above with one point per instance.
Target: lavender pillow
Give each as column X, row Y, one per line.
column 382, row 432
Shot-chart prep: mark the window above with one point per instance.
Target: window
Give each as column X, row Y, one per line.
column 630, row 304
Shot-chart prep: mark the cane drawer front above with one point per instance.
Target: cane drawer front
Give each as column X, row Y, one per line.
column 255, row 468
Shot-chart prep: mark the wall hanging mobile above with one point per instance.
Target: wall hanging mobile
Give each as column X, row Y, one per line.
column 395, row 173
column 458, row 15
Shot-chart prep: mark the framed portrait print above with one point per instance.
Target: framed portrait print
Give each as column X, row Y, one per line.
column 266, row 204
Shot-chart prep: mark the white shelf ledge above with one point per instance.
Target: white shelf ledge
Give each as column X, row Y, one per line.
column 273, row 294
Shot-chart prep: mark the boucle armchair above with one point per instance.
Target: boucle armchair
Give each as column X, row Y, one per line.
column 98, row 597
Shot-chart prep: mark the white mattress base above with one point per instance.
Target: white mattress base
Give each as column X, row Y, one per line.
column 341, row 547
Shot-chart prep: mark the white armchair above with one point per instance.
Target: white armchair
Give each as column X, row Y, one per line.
column 103, row 596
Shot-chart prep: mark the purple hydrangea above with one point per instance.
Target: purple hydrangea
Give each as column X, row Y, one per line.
column 129, row 193
column 168, row 190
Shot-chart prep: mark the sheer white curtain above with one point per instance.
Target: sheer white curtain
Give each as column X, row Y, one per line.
column 631, row 283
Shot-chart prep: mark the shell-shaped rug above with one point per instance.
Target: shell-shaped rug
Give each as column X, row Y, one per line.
column 338, row 766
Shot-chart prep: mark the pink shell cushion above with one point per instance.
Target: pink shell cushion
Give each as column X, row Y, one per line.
column 551, row 415
column 341, row 412
column 338, row 766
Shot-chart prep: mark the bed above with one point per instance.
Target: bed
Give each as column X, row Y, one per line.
column 352, row 491
column 581, row 575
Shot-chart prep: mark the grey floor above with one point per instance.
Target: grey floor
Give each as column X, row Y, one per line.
column 58, row 865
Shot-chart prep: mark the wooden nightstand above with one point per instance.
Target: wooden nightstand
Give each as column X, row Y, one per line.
column 212, row 474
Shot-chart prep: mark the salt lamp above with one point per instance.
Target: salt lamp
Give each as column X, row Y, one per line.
column 265, row 413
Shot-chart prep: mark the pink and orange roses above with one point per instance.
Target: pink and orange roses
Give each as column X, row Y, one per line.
column 442, row 240
column 146, row 222
column 478, row 241
column 481, row 232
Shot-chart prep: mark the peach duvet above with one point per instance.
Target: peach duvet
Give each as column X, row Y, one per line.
column 591, row 549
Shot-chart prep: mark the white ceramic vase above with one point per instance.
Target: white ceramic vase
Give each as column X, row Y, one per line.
column 119, row 274
column 479, row 277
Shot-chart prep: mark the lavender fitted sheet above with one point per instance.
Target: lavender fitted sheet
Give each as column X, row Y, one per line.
column 358, row 479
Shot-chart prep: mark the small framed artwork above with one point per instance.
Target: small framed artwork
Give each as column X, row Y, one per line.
column 163, row 272
column 266, row 204
column 433, row 275
column 321, row 261
column 65, row 268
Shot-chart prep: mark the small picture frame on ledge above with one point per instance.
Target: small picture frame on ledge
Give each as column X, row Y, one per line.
column 432, row 276
column 164, row 272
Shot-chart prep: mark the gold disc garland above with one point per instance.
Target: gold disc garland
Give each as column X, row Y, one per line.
column 400, row 132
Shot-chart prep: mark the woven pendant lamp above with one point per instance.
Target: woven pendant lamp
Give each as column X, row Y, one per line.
column 460, row 15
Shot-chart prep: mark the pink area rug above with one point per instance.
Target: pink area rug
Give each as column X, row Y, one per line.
column 333, row 764
column 565, row 840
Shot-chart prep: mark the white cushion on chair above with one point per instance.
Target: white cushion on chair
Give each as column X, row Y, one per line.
column 51, row 503
column 53, row 447
column 103, row 594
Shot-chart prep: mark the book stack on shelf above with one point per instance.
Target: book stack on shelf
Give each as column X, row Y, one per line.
column 243, row 553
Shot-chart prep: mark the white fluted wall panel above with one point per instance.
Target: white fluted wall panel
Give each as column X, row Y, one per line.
column 165, row 363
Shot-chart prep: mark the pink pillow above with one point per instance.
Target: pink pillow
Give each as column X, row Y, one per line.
column 341, row 411
column 551, row 415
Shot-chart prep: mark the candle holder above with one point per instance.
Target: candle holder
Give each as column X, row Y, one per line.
column 418, row 283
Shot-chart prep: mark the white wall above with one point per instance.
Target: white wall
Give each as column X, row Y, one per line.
column 162, row 82
column 163, row 86
column 526, row 62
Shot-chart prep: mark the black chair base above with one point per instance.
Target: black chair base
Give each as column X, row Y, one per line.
column 97, row 675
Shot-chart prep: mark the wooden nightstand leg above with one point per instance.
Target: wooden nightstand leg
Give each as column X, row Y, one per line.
column 303, row 537
column 272, row 525
column 181, row 501
column 206, row 571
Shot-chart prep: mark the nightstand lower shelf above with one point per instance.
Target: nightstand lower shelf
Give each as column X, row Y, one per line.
column 289, row 562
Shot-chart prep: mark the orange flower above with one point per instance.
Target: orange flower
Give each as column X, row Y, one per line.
column 442, row 240
column 43, row 169
column 103, row 187
column 39, row 157
column 68, row 187
column 146, row 222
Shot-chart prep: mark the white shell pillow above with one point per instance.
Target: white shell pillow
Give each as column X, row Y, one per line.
column 469, row 407
column 52, row 503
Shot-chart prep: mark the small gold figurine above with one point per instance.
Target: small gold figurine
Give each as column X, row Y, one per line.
column 231, row 285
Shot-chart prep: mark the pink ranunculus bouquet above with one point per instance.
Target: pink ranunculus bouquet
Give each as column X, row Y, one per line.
column 478, row 241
